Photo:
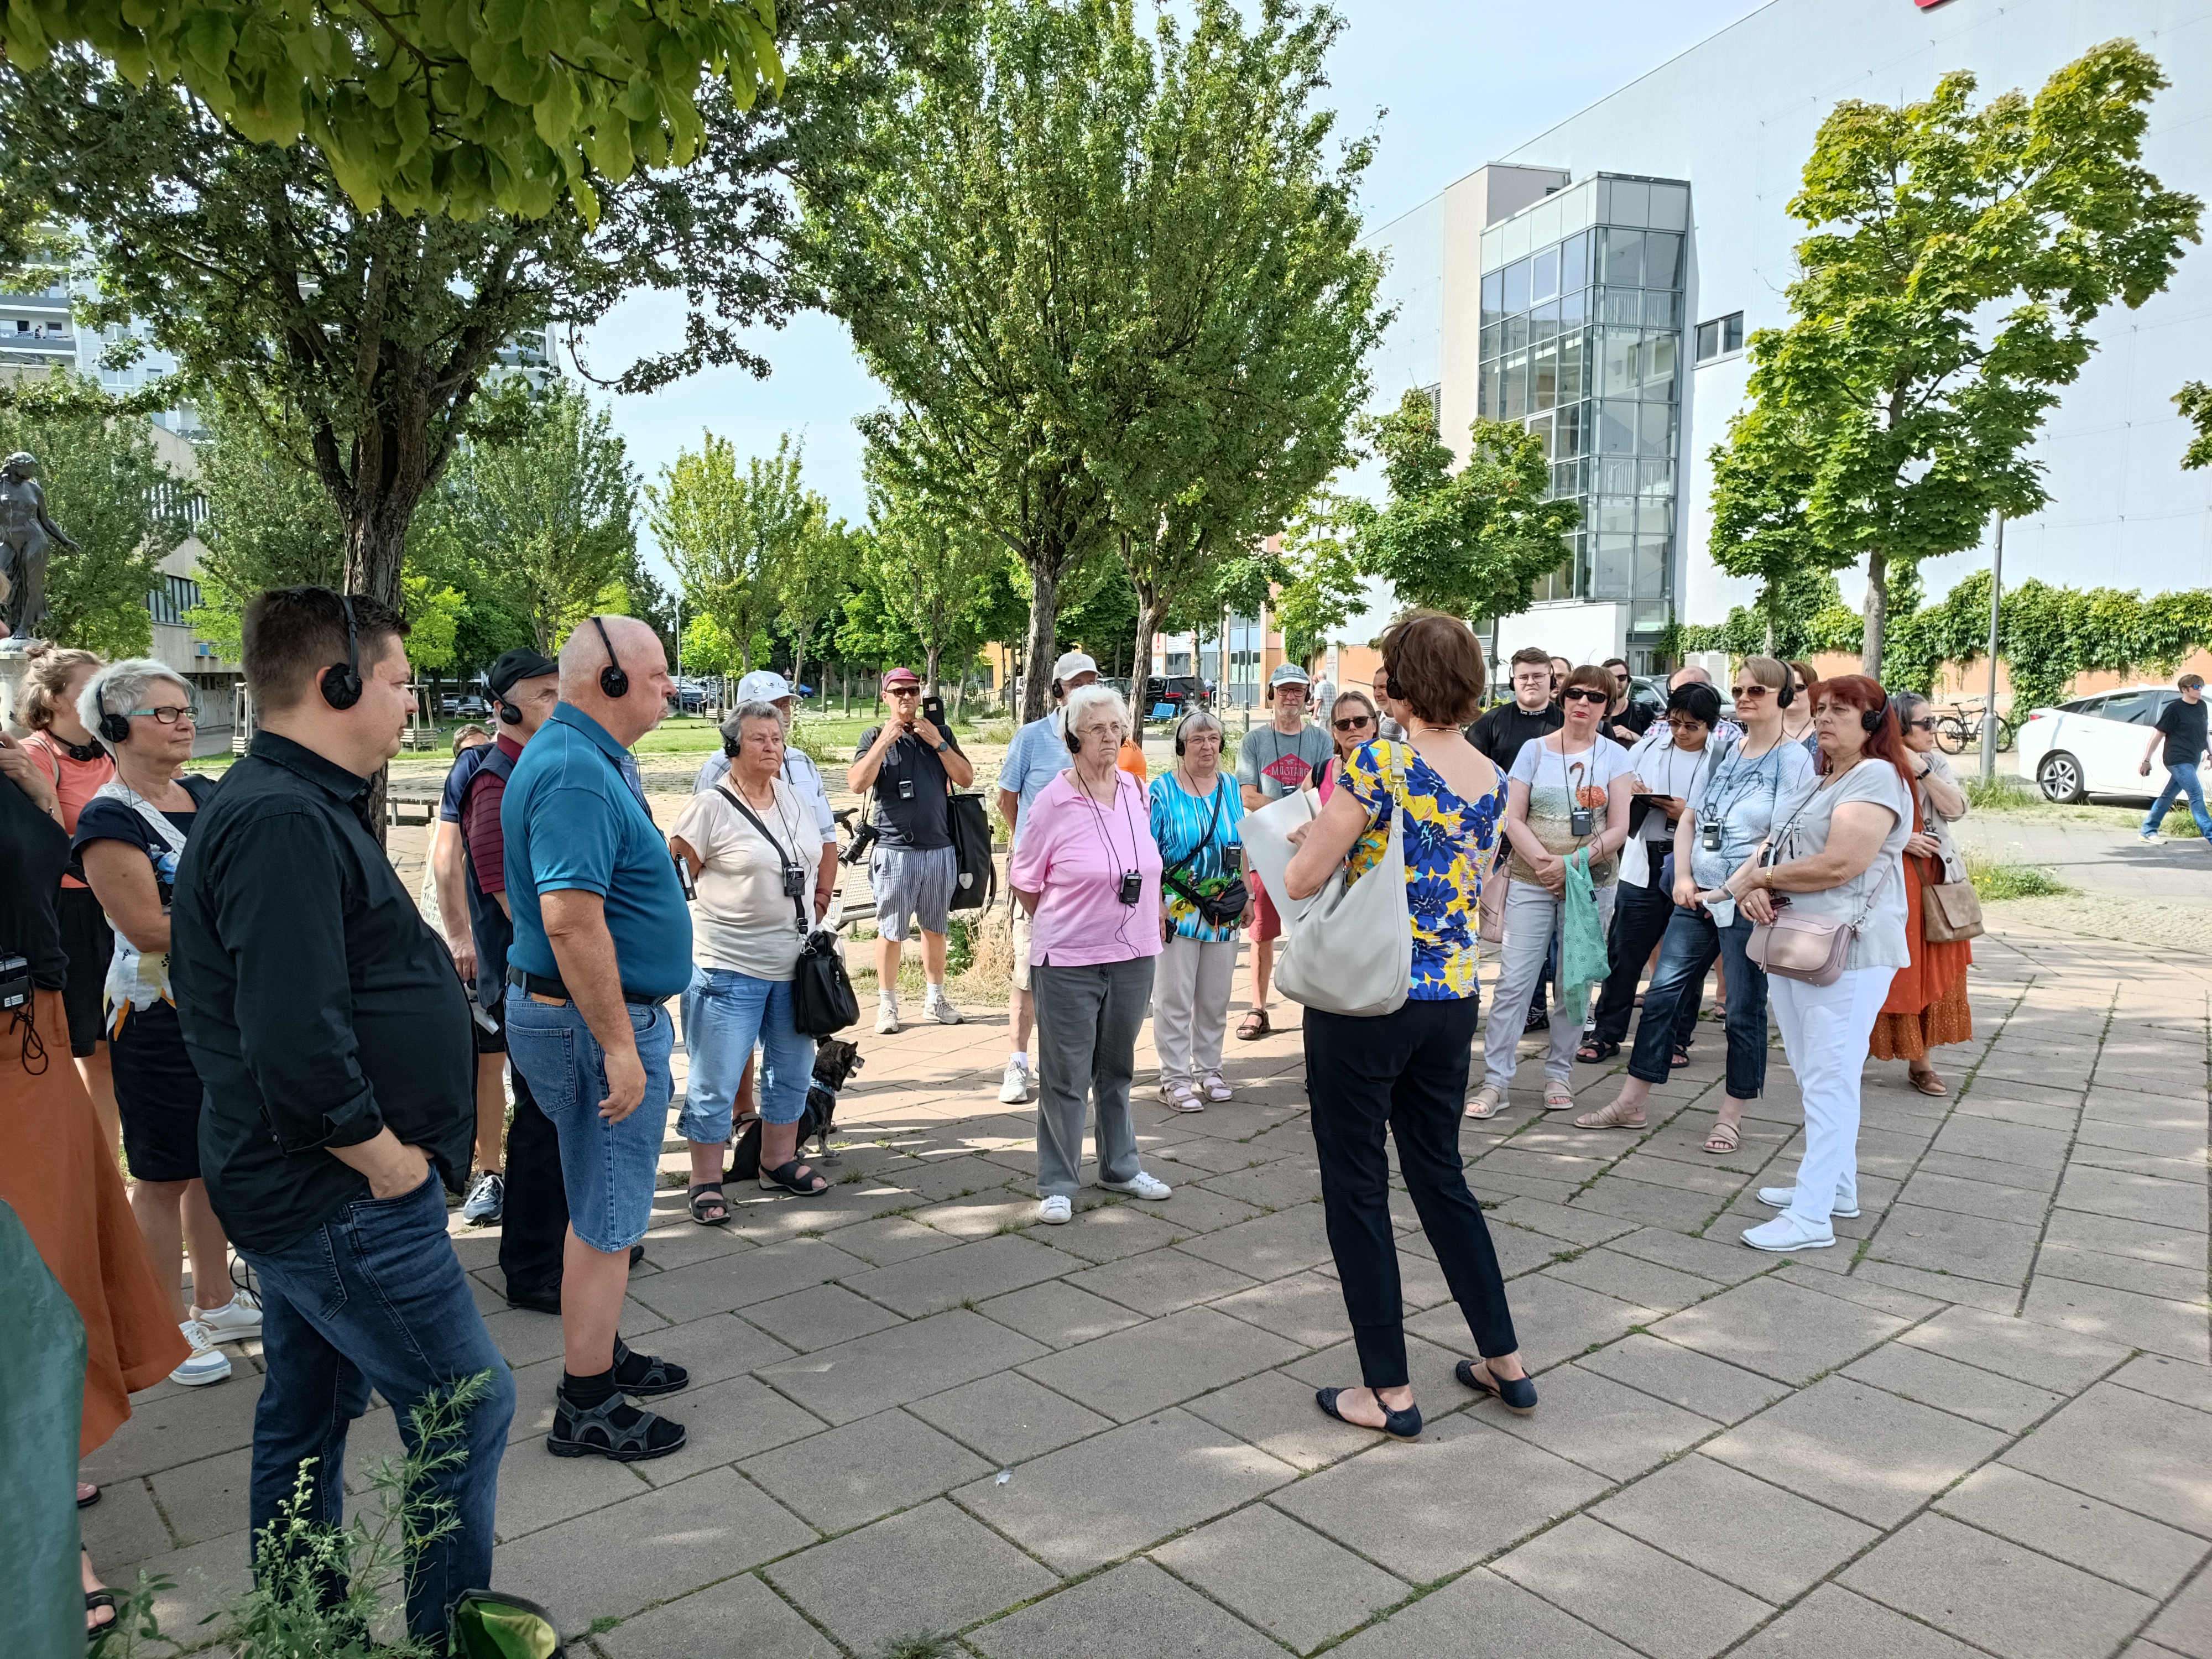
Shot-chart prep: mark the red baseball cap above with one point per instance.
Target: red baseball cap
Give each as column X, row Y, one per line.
column 902, row 676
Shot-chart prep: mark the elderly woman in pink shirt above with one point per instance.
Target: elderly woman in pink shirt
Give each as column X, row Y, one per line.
column 1088, row 872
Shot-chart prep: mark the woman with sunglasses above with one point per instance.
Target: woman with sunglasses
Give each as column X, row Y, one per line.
column 1565, row 793
column 1797, row 719
column 1743, row 792
column 1351, row 724
column 1926, row 1004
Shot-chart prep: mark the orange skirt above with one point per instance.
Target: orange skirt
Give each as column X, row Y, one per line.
column 58, row 1177
column 1926, row 1004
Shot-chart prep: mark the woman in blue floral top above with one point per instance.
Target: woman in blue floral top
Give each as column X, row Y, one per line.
column 1405, row 1073
column 1195, row 811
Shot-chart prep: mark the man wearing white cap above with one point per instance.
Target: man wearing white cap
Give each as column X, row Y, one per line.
column 1273, row 761
column 1037, row 755
column 799, row 771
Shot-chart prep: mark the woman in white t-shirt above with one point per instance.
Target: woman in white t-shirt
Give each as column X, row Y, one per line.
column 1561, row 798
column 1836, row 858
column 749, row 843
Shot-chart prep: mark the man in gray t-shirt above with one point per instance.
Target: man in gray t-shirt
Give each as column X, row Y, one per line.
column 1272, row 762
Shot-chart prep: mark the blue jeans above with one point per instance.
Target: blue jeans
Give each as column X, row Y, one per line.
column 2180, row 780
column 375, row 1298
column 1686, row 955
column 725, row 1013
column 608, row 1168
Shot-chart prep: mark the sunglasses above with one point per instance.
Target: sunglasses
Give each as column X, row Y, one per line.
column 1746, row 693
column 1685, row 723
column 1920, row 726
column 1583, row 694
column 906, row 690
column 1354, row 723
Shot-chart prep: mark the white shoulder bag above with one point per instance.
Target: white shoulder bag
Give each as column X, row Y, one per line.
column 1350, row 949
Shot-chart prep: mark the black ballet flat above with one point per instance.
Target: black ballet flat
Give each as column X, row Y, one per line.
column 1399, row 1426
column 1517, row 1395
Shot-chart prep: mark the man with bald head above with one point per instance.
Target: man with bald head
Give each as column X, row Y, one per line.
column 602, row 940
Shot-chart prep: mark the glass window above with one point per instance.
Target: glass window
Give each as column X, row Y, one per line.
column 1567, row 435
column 1492, row 337
column 1732, row 331
column 1540, row 426
column 1662, row 310
column 1544, row 321
column 1650, row 571
column 1616, row 433
column 1613, row 565
column 1708, row 342
column 1574, row 264
column 1517, row 332
column 1544, row 276
column 1566, row 477
column 1655, row 429
column 1655, row 515
column 1544, row 377
column 1486, row 392
column 1654, row 477
column 1623, row 305
column 1658, row 355
column 1494, row 293
column 1623, row 257
column 1571, row 357
column 1663, row 259
column 1572, row 308
column 1514, row 395
column 1615, row 515
column 2136, row 708
column 1516, row 287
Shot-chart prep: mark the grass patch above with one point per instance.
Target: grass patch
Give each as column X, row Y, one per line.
column 919, row 1647
column 1994, row 881
column 2002, row 794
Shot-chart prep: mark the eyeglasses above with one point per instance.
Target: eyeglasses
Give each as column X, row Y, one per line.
column 1354, row 723
column 1583, row 694
column 1684, row 723
column 170, row 714
column 1750, row 692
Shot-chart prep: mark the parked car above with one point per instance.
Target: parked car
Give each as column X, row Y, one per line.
column 450, row 703
column 1177, row 694
column 689, row 698
column 471, row 706
column 2094, row 746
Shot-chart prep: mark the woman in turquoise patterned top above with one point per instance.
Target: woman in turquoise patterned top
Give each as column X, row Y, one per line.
column 1405, row 1073
column 1195, row 811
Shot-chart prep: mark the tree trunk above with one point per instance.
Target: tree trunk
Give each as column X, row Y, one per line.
column 930, row 655
column 1150, row 609
column 1877, row 614
column 1037, row 649
column 798, row 658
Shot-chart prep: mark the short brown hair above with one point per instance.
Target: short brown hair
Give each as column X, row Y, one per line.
column 1591, row 677
column 1435, row 666
column 293, row 633
column 1534, row 654
column 50, row 669
column 1803, row 671
column 2187, row 682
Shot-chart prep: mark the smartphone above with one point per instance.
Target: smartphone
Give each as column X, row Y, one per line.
column 933, row 710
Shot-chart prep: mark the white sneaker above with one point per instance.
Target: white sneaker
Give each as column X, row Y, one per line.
column 1787, row 1232
column 887, row 1017
column 237, row 1321
column 1216, row 1087
column 1056, row 1210
column 209, row 1364
column 1781, row 1198
column 487, row 1200
column 2149, row 837
column 1139, row 1185
column 937, row 1006
column 1014, row 1086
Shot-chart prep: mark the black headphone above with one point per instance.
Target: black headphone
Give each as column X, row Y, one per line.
column 341, row 681
column 612, row 680
column 1788, row 693
column 1074, row 737
column 1181, row 726
column 508, row 713
column 1391, row 688
column 1870, row 720
column 116, row 728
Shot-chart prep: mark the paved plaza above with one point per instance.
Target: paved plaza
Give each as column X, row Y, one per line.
column 1982, row 1424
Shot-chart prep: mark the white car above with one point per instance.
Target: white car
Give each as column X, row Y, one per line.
column 2094, row 746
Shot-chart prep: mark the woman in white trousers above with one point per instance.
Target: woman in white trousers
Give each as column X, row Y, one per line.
column 1836, row 859
column 1195, row 815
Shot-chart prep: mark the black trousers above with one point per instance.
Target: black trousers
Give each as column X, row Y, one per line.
column 1640, row 915
column 1405, row 1072
column 534, row 1226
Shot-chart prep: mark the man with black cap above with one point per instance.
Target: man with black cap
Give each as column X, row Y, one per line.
column 528, row 1199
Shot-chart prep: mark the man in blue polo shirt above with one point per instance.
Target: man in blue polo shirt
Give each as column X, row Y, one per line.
column 602, row 940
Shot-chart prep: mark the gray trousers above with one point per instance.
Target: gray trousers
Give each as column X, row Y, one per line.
column 1191, row 1007
column 1532, row 918
column 1087, row 1021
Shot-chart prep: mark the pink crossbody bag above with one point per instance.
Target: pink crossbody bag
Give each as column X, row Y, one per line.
column 1811, row 948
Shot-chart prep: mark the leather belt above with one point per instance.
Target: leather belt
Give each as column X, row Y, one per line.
column 538, row 986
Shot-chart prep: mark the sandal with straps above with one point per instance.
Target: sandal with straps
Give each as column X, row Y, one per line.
column 1486, row 1102
column 1723, row 1137
column 1557, row 1097
column 594, row 1430
column 1615, row 1117
column 709, row 1207
column 654, row 1376
column 786, row 1177
column 1399, row 1426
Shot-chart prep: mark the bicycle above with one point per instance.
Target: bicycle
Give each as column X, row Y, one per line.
column 1960, row 728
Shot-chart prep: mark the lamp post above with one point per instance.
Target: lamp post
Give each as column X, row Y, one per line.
column 1990, row 712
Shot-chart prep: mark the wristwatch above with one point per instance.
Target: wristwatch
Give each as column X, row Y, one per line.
column 942, row 746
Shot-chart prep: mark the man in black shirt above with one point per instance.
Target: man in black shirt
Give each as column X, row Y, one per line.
column 332, row 1037
column 1500, row 735
column 914, row 764
column 2182, row 728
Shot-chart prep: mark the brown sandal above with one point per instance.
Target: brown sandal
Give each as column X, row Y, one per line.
column 1927, row 1082
column 1610, row 1117
column 1723, row 1137
column 1253, row 1026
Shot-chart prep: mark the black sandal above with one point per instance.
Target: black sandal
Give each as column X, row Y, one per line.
column 1680, row 1057
column 594, row 1431
column 94, row 1600
column 1399, row 1426
column 705, row 1198
column 786, row 1177
column 1517, row 1394
column 652, row 1376
column 1596, row 1052
column 86, row 1502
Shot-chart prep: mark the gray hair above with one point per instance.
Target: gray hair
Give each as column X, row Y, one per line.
column 121, row 686
column 754, row 709
column 1902, row 703
column 1085, row 698
column 1200, row 720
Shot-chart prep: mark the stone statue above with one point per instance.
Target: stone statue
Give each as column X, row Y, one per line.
column 26, row 533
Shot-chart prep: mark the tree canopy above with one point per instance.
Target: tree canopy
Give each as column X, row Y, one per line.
column 734, row 536
column 1957, row 260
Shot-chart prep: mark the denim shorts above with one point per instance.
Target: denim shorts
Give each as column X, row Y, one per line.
column 610, row 1169
column 725, row 1013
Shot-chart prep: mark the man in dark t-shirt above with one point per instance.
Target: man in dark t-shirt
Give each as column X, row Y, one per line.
column 1532, row 713
column 2182, row 729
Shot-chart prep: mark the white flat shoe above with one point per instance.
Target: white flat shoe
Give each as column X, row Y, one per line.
column 1139, row 1185
column 1056, row 1210
column 1786, row 1233
column 1781, row 1198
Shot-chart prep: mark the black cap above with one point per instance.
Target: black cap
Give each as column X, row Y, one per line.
column 520, row 663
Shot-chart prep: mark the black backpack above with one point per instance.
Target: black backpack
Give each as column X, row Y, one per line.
column 969, row 826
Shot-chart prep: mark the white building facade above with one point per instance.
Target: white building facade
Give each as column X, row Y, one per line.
column 1599, row 282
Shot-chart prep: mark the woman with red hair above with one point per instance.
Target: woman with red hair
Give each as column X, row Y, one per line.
column 1837, row 858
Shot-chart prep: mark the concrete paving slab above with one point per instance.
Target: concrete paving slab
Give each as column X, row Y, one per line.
column 1516, row 1622
column 1007, row 1419
column 1834, row 1620
column 2168, row 1379
column 1682, row 1377
column 969, row 1272
column 1134, row 1612
column 1160, row 1282
column 1058, row 1314
column 1755, row 1536
column 2178, row 1328
column 701, row 1622
column 2016, row 1348
column 1290, row 1581
column 908, row 1362
column 1631, row 1591
column 1605, row 1425
column 2112, row 1543
column 2143, row 1454
column 821, row 1317
column 1137, row 1371
column 1786, row 1332
column 849, row 1476
column 1953, row 1386
column 2186, row 1624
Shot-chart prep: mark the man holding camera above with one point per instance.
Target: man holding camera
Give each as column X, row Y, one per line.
column 914, row 764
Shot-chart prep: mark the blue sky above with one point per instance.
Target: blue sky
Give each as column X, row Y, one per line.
column 1448, row 85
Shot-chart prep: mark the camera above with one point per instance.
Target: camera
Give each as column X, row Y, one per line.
column 16, row 979
column 1582, row 823
column 1710, row 835
column 683, row 879
column 906, row 788
column 1133, row 887
column 794, row 881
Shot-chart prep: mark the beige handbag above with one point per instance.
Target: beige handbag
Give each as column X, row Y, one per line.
column 1812, row 949
column 1491, row 921
column 1950, row 909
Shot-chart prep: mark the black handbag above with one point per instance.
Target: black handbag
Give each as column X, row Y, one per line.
column 1214, row 910
column 971, row 829
column 822, row 1001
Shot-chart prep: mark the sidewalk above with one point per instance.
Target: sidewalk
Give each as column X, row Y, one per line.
column 1983, row 1422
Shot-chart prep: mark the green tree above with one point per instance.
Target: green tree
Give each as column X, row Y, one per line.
column 815, row 586
column 2194, row 400
column 451, row 109
column 542, row 512
column 269, row 523
column 732, row 536
column 1958, row 259
column 1472, row 542
column 107, row 489
column 1322, row 587
column 374, row 329
column 929, row 569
